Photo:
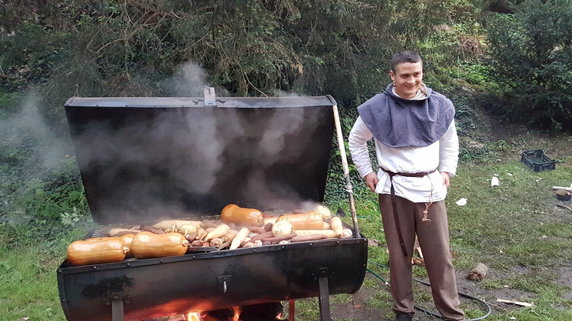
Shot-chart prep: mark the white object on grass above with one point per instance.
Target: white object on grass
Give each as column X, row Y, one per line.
column 461, row 202
column 523, row 304
column 495, row 181
column 569, row 189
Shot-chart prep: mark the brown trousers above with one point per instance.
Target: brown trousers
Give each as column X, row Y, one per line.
column 434, row 241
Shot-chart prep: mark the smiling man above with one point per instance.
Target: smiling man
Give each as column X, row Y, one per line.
column 417, row 153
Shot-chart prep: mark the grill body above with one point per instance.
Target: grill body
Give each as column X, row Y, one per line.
column 209, row 281
column 146, row 159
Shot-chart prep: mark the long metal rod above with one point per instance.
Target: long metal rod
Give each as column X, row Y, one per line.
column 349, row 187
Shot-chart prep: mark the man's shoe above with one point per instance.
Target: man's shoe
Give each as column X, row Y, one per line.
column 403, row 316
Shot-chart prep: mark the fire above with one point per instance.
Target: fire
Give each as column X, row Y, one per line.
column 206, row 316
column 194, row 316
column 236, row 313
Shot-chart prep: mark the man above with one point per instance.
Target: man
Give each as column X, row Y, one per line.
column 417, row 151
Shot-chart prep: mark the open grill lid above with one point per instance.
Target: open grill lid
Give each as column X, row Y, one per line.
column 143, row 159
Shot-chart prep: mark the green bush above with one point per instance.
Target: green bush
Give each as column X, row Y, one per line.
column 531, row 53
column 44, row 205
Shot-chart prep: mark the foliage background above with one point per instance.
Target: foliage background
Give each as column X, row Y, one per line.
column 115, row 48
column 53, row 50
column 512, row 58
column 531, row 55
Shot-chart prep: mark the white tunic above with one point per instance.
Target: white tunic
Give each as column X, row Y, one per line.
column 441, row 155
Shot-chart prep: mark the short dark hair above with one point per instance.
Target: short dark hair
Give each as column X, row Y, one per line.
column 404, row 56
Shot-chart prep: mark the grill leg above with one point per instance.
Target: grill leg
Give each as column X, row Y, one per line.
column 117, row 309
column 291, row 310
column 324, row 297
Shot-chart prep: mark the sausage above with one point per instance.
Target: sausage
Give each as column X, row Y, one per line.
column 152, row 229
column 305, row 221
column 96, row 250
column 232, row 213
column 261, row 236
column 276, row 239
column 148, row 245
column 309, row 237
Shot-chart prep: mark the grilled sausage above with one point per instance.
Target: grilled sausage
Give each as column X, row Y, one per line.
column 96, row 250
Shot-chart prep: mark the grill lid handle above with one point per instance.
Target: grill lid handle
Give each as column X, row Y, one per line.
column 210, row 96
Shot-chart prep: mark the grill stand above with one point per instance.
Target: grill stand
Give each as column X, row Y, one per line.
column 291, row 310
column 324, row 297
column 117, row 312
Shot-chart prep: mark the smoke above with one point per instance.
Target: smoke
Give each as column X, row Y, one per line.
column 29, row 151
column 273, row 141
column 27, row 130
column 168, row 160
column 280, row 143
column 188, row 81
column 199, row 145
column 153, row 159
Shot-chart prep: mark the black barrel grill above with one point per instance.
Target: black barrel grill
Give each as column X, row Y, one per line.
column 146, row 159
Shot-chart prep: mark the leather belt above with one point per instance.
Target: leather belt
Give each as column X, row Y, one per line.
column 393, row 202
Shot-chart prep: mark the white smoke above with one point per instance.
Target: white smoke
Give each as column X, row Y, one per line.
column 28, row 129
column 188, row 81
column 192, row 148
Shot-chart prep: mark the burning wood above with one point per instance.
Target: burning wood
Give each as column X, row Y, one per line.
column 271, row 311
column 236, row 310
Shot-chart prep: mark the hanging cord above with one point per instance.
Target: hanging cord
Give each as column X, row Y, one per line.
column 427, row 205
column 485, row 304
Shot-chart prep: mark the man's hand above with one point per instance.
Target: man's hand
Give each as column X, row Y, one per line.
column 446, row 179
column 371, row 181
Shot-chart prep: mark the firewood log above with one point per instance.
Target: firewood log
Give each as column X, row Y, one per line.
column 478, row 273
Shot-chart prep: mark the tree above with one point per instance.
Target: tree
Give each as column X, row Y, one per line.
column 531, row 52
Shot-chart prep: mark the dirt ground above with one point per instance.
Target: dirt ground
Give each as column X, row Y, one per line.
column 359, row 310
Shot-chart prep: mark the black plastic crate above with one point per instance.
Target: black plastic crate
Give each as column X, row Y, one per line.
column 537, row 160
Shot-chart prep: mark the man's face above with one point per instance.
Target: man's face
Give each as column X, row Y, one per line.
column 408, row 78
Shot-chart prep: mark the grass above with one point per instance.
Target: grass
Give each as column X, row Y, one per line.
column 28, row 273
column 516, row 229
column 29, row 287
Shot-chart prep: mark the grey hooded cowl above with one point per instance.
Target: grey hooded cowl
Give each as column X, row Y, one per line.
column 398, row 122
